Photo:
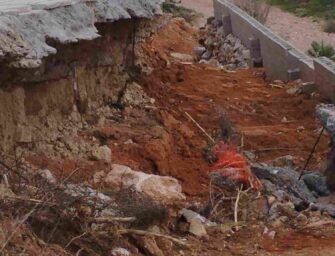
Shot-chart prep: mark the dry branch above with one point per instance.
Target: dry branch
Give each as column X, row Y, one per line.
column 147, row 233
column 199, row 126
column 112, row 219
column 236, row 204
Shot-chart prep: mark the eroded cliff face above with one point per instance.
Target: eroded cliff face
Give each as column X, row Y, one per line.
column 68, row 89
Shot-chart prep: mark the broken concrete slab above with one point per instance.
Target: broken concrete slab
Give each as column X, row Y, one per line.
column 28, row 27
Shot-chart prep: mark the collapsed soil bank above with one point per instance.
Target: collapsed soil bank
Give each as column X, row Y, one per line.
column 81, row 77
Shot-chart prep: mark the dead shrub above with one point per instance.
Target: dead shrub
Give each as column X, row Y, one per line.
column 255, row 8
column 146, row 211
column 329, row 26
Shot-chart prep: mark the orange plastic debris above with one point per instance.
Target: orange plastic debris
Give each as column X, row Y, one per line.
column 233, row 165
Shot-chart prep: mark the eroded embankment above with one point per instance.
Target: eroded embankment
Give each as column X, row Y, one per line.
column 116, row 121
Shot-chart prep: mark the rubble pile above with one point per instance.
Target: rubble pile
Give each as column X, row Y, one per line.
column 56, row 211
column 227, row 50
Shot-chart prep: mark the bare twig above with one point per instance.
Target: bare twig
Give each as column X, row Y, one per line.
column 69, row 176
column 112, row 219
column 31, row 200
column 311, row 153
column 199, row 126
column 277, row 149
column 24, row 219
column 75, row 238
column 147, row 233
column 239, row 190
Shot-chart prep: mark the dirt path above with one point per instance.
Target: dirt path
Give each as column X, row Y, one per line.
column 205, row 7
column 301, row 32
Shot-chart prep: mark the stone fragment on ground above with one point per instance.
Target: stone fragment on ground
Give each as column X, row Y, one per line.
column 284, row 183
column 103, row 153
column 197, row 223
column 283, row 161
column 120, row 252
column 182, row 57
column 160, row 188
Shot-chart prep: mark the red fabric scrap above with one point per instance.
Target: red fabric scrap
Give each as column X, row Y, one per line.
column 233, row 165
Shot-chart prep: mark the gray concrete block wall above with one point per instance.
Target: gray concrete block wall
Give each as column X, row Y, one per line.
column 281, row 59
column 278, row 55
column 325, row 77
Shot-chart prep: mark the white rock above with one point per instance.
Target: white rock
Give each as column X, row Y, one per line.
column 160, row 188
column 120, row 252
column 182, row 57
column 102, row 153
column 46, row 174
column 197, row 228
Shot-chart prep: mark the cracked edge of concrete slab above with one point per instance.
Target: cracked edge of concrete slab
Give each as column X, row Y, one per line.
column 28, row 27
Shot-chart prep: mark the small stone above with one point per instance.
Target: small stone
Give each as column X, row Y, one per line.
column 199, row 51
column 302, row 219
column 120, row 252
column 207, row 55
column 47, row 175
column 102, row 153
column 197, row 228
column 284, row 119
column 271, row 200
column 269, row 233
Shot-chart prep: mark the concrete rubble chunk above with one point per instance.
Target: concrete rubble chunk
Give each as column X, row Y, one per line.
column 160, row 188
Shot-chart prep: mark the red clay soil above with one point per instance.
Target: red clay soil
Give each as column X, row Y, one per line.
column 162, row 140
column 272, row 122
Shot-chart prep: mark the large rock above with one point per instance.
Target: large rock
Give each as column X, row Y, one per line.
column 160, row 188
column 285, row 183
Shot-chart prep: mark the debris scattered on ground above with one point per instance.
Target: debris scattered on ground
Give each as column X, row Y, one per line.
column 216, row 44
column 82, row 204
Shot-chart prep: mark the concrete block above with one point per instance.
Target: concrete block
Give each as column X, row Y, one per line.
column 226, row 24
column 293, row 74
column 325, row 77
column 255, row 48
